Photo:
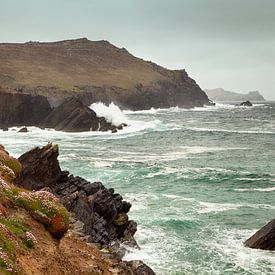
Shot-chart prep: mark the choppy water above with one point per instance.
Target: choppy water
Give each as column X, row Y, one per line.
column 201, row 181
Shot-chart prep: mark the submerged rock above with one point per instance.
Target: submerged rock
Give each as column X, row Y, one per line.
column 23, row 130
column 102, row 212
column 246, row 103
column 4, row 128
column 264, row 238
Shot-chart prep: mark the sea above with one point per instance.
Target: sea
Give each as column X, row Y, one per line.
column 201, row 181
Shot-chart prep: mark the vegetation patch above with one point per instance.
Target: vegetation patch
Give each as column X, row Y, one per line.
column 42, row 205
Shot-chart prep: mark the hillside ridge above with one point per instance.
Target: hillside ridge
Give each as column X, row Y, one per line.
column 96, row 71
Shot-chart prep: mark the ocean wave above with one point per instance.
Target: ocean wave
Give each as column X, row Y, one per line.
column 267, row 189
column 208, row 207
column 228, row 246
column 111, row 112
column 195, row 129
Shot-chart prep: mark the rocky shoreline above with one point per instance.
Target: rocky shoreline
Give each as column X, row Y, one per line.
column 101, row 213
column 90, row 244
column 19, row 109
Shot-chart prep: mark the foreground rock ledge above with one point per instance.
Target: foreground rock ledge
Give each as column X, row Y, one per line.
column 43, row 254
column 264, row 238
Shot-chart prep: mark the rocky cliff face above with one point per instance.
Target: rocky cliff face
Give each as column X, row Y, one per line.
column 17, row 109
column 94, row 71
column 73, row 116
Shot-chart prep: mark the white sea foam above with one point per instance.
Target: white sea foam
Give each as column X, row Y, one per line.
column 196, row 129
column 153, row 111
column 208, row 207
column 268, row 189
column 179, row 153
column 111, row 112
column 229, row 246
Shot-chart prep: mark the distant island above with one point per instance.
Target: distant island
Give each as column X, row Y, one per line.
column 220, row 94
column 94, row 71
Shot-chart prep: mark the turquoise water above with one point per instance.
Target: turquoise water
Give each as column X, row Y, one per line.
column 201, row 182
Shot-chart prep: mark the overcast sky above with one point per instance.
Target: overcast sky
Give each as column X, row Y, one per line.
column 221, row 43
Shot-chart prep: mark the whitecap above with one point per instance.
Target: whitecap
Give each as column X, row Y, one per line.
column 268, row 189
column 208, row 207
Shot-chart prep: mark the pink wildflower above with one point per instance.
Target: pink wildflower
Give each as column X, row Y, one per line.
column 4, row 185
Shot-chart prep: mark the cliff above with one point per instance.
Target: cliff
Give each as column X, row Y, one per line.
column 36, row 236
column 94, row 71
column 17, row 109
column 220, row 94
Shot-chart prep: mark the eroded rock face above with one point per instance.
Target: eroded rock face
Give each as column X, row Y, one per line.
column 264, row 238
column 17, row 109
column 73, row 116
column 102, row 212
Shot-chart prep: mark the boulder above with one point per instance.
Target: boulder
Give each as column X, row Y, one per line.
column 139, row 268
column 246, row 103
column 264, row 238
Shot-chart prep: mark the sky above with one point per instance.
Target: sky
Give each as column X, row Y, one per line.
column 221, row 43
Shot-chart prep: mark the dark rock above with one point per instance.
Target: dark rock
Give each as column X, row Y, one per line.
column 246, row 103
column 18, row 109
column 102, row 212
column 40, row 168
column 73, row 116
column 4, row 128
column 139, row 268
column 23, row 130
column 264, row 238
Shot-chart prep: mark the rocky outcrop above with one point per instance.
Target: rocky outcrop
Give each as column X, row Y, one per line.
column 73, row 116
column 17, row 109
column 246, row 103
column 95, row 71
column 30, row 222
column 100, row 212
column 264, row 238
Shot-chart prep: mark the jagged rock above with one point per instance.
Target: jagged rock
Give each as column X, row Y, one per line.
column 264, row 238
column 246, row 103
column 23, row 130
column 73, row 116
column 102, row 212
column 40, row 168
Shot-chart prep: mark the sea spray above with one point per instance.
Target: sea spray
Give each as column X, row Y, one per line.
column 112, row 113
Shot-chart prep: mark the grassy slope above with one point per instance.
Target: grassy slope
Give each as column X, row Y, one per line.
column 74, row 62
